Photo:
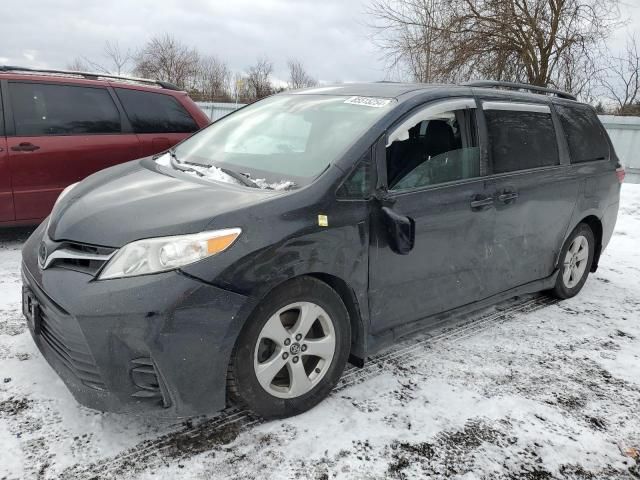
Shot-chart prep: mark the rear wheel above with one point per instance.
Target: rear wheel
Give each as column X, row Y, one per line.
column 576, row 258
column 292, row 350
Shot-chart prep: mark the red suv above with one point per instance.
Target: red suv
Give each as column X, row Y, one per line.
column 57, row 127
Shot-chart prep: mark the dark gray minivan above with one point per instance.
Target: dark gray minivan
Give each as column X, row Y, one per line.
column 252, row 261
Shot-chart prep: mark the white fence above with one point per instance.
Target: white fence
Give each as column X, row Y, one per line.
column 625, row 135
column 216, row 110
column 624, row 132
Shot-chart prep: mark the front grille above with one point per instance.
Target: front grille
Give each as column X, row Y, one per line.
column 80, row 257
column 66, row 341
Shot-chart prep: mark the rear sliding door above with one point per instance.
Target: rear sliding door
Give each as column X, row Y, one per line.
column 534, row 192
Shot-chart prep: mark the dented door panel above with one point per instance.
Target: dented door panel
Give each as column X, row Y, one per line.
column 446, row 267
column 529, row 230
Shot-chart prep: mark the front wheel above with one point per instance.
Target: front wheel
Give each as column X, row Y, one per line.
column 292, row 350
column 576, row 258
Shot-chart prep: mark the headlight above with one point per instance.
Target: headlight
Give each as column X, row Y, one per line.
column 155, row 255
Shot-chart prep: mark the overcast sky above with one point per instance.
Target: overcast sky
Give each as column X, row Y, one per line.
column 329, row 36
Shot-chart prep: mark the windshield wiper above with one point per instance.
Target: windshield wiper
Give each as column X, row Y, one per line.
column 238, row 176
column 178, row 165
column 175, row 163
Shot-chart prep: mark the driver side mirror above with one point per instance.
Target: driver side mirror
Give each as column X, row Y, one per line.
column 401, row 231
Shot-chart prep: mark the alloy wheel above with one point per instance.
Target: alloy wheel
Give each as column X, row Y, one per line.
column 575, row 261
column 294, row 350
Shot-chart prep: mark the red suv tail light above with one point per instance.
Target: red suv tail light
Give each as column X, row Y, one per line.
column 620, row 173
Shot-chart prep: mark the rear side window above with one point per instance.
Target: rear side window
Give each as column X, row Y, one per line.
column 585, row 134
column 49, row 109
column 155, row 113
column 521, row 139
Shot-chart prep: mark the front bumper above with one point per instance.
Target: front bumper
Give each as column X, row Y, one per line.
column 157, row 344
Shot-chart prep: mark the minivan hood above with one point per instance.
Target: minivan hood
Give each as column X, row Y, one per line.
column 136, row 200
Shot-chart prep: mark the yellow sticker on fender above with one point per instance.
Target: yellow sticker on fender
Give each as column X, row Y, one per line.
column 323, row 220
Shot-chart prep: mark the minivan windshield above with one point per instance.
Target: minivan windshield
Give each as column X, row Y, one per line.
column 284, row 138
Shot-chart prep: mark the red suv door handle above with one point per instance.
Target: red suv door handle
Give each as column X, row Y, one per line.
column 25, row 147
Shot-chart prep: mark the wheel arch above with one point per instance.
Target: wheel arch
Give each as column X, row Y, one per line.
column 357, row 354
column 595, row 225
column 358, row 331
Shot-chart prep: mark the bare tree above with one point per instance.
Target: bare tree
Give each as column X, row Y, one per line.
column 258, row 80
column 119, row 59
column 580, row 72
column 409, row 33
column 621, row 85
column 516, row 40
column 213, row 79
column 298, row 77
column 165, row 58
column 78, row 65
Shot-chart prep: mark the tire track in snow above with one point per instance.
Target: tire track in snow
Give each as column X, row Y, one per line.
column 201, row 435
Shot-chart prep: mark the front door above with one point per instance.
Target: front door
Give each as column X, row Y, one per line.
column 434, row 177
column 59, row 135
column 6, row 194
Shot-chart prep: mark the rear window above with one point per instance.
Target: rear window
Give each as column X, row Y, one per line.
column 49, row 109
column 521, row 140
column 151, row 112
column 585, row 134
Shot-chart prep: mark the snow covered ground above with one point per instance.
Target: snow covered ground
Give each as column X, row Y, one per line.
column 532, row 388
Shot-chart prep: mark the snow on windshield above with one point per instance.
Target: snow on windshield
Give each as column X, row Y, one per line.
column 216, row 174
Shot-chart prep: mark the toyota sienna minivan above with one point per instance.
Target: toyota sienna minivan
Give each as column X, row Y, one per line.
column 249, row 263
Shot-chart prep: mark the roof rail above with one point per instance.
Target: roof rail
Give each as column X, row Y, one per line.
column 520, row 86
column 89, row 75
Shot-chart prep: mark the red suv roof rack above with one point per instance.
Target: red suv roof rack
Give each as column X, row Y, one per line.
column 88, row 75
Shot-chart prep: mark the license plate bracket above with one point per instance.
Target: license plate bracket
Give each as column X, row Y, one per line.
column 31, row 310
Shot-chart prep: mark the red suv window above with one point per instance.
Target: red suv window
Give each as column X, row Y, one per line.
column 49, row 109
column 151, row 112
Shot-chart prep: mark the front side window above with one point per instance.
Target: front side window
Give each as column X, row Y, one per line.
column 151, row 112
column 49, row 109
column 285, row 137
column 521, row 139
column 435, row 146
column 584, row 132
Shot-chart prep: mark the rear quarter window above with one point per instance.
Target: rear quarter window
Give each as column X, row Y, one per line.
column 151, row 112
column 585, row 134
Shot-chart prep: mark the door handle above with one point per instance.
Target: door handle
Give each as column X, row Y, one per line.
column 25, row 147
column 507, row 197
column 480, row 203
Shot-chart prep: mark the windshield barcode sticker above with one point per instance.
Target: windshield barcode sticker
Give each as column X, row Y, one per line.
column 369, row 101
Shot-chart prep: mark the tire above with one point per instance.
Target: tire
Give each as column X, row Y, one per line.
column 573, row 271
column 260, row 351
